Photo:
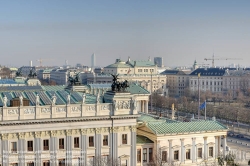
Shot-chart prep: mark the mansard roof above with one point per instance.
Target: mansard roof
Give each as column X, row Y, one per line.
column 165, row 126
column 209, row 72
column 173, row 72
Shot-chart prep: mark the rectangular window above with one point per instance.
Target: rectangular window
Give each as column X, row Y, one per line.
column 105, row 140
column 176, row 155
column 145, row 70
column 124, row 139
column 61, row 143
column 199, row 152
column 211, row 151
column 188, row 154
column 76, row 142
column 164, row 156
column 61, row 162
column 139, row 70
column 150, row 154
column 91, row 141
column 138, row 155
column 13, row 164
column 30, row 164
column 13, row 147
column 30, row 145
column 46, row 163
column 46, row 144
column 145, row 155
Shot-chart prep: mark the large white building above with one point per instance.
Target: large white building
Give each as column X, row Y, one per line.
column 65, row 127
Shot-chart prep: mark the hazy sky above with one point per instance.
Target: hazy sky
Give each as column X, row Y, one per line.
column 179, row 31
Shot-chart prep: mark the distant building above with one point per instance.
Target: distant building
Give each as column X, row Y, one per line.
column 177, row 82
column 93, row 63
column 211, row 79
column 26, row 70
column 133, row 71
column 158, row 61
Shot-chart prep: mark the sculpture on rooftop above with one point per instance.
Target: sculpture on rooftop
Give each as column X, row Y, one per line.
column 68, row 99
column 18, row 73
column 5, row 100
column 53, row 99
column 83, row 97
column 75, row 80
column 119, row 86
column 21, row 100
column 37, row 99
column 32, row 74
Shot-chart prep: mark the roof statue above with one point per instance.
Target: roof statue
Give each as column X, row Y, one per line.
column 18, row 73
column 32, row 74
column 37, row 99
column 21, row 100
column 75, row 80
column 119, row 86
column 53, row 99
column 5, row 100
column 68, row 99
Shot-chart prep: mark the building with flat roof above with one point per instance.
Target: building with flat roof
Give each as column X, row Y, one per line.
column 158, row 61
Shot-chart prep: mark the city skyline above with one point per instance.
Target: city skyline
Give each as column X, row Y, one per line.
column 180, row 32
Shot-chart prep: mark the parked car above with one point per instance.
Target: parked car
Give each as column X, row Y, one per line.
column 230, row 134
column 240, row 136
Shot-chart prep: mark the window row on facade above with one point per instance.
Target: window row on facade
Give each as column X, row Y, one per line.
column 62, row 145
column 146, row 154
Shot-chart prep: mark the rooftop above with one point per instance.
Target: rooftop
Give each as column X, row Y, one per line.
column 167, row 127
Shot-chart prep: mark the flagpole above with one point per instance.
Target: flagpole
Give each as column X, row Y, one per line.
column 205, row 110
column 199, row 95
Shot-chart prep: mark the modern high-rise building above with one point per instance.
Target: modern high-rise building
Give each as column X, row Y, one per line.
column 158, row 61
column 93, row 60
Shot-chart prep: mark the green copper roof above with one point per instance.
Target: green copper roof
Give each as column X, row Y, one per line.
column 142, row 63
column 161, row 126
column 53, row 87
column 142, row 140
column 119, row 64
column 137, row 89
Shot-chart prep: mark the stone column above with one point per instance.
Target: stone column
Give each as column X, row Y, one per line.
column 216, row 147
column 224, row 145
column 205, row 148
column 219, row 145
column 21, row 148
column 53, row 146
column 142, row 105
column 170, row 151
column 68, row 147
column 182, row 151
column 98, row 142
column 133, row 151
column 38, row 148
column 83, row 147
column 5, row 150
column 114, row 144
column 193, row 150
column 146, row 106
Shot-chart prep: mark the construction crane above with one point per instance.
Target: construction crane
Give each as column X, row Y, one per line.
column 41, row 60
column 206, row 59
